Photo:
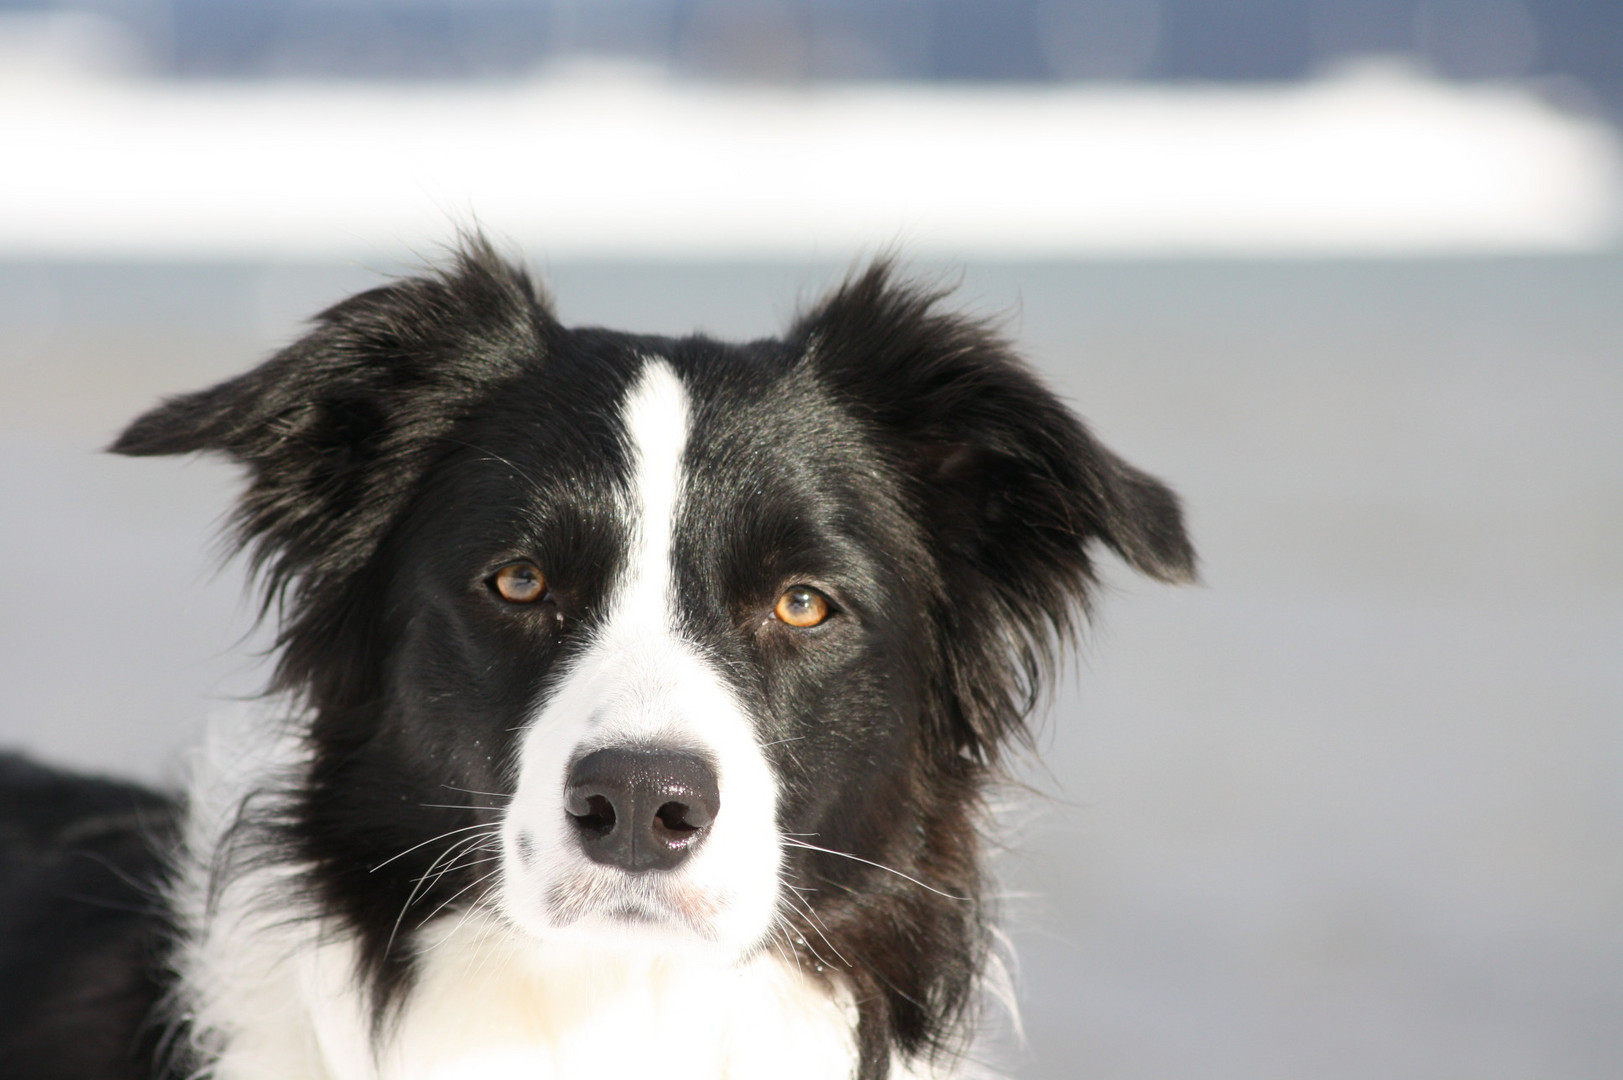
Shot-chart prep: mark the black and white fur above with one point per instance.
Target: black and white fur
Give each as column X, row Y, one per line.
column 379, row 874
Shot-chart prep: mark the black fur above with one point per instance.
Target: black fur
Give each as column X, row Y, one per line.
column 82, row 925
column 901, row 458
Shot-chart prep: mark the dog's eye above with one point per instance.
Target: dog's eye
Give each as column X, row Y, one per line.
column 802, row 607
column 520, row 583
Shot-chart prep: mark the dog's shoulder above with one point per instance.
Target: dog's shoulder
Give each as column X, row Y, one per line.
column 82, row 922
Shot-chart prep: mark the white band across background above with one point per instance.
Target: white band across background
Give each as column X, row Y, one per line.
column 1376, row 161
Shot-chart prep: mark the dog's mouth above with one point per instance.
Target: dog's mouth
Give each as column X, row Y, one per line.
column 610, row 899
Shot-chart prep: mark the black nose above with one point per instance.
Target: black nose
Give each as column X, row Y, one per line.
column 641, row 809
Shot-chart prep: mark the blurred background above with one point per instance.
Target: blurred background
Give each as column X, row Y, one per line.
column 1346, row 272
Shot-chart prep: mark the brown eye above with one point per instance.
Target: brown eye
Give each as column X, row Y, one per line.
column 520, row 583
column 801, row 607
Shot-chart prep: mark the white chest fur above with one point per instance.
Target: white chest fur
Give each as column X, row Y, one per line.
column 488, row 1006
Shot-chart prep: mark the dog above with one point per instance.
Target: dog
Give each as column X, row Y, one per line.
column 636, row 705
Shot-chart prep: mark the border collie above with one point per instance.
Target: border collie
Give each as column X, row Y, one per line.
column 637, row 699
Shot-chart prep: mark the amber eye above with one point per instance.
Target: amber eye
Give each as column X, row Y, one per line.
column 520, row 583
column 802, row 607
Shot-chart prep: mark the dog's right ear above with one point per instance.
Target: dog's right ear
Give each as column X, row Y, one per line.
column 337, row 428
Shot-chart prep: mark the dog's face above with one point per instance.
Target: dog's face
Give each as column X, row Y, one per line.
column 662, row 596
column 665, row 644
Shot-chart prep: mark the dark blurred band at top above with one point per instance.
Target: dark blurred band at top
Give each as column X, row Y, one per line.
column 1575, row 45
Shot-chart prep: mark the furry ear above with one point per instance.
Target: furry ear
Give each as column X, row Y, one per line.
column 1014, row 488
column 336, row 428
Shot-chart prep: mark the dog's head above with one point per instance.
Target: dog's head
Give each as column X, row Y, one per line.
column 665, row 643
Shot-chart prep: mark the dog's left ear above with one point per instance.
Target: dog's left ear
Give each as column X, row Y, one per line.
column 1013, row 488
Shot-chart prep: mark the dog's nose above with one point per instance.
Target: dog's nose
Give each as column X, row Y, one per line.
column 641, row 809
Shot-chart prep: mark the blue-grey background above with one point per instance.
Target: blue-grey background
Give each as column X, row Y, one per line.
column 1350, row 809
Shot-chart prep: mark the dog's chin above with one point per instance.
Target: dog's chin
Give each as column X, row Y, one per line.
column 634, row 929
column 615, row 911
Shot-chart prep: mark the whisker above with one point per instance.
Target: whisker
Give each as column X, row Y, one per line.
column 781, row 941
column 453, row 854
column 452, row 851
column 816, row 925
column 499, row 959
column 461, row 864
column 471, row 791
column 823, row 930
column 881, row 866
column 425, row 843
column 480, row 904
column 801, row 939
column 459, row 893
column 465, row 846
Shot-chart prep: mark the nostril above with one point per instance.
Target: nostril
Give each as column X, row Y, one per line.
column 696, row 812
column 595, row 816
column 676, row 817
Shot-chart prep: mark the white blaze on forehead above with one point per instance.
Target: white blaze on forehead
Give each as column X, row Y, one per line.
column 656, row 434
column 640, row 682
